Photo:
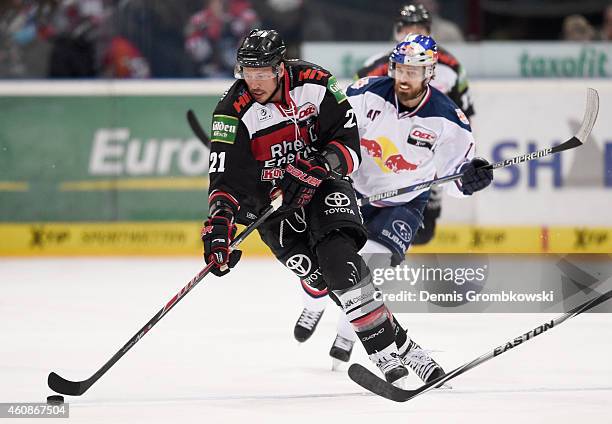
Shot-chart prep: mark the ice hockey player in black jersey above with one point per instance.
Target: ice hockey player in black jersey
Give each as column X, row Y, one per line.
column 286, row 125
column 450, row 78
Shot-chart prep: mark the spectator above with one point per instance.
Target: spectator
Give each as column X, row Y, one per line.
column 287, row 17
column 577, row 28
column 442, row 30
column 606, row 28
column 123, row 60
column 156, row 29
column 213, row 34
column 23, row 45
column 74, row 32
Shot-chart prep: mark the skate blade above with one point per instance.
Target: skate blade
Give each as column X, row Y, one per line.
column 402, row 383
column 338, row 365
column 445, row 386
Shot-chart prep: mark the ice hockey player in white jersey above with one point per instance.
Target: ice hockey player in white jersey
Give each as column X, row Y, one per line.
column 410, row 132
column 450, row 78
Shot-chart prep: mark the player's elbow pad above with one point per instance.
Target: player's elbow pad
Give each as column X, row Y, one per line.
column 222, row 204
column 340, row 159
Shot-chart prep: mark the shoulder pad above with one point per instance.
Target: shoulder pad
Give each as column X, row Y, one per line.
column 302, row 72
column 226, row 118
column 441, row 105
column 235, row 101
column 373, row 84
column 445, row 58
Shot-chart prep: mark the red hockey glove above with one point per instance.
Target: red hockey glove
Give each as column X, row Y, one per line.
column 301, row 180
column 217, row 235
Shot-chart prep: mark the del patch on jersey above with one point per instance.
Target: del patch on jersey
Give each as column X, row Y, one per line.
column 422, row 137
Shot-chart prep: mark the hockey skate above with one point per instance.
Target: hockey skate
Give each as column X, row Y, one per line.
column 306, row 324
column 392, row 367
column 341, row 351
column 420, row 362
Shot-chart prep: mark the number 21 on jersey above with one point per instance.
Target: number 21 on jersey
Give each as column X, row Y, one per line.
column 217, row 162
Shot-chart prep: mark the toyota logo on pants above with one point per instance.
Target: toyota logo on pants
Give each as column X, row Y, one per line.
column 300, row 264
column 337, row 200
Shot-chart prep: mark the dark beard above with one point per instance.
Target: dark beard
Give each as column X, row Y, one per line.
column 405, row 97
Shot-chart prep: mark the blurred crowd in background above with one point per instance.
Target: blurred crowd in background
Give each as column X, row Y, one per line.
column 198, row 38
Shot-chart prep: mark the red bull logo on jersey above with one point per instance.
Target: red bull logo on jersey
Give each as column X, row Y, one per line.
column 397, row 164
column 372, row 147
column 386, row 155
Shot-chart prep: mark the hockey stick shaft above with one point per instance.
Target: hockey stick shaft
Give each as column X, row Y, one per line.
column 197, row 129
column 590, row 116
column 454, row 177
column 518, row 340
column 75, row 388
column 369, row 381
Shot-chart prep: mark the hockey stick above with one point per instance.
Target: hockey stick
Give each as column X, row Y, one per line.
column 77, row 388
column 368, row 380
column 195, row 126
column 590, row 116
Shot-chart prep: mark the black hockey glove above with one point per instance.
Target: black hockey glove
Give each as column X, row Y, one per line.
column 430, row 214
column 301, row 180
column 217, row 235
column 475, row 177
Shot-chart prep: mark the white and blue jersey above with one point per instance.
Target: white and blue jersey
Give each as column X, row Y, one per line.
column 404, row 147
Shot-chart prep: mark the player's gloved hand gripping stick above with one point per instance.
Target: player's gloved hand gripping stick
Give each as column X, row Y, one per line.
column 590, row 116
column 217, row 235
column 77, row 388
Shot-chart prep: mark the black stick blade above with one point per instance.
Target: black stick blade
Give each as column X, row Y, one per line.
column 65, row 387
column 569, row 144
column 369, row 381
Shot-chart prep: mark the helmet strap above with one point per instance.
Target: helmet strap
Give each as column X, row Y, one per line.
column 425, row 84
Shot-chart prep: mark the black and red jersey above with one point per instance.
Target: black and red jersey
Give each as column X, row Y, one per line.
column 252, row 143
column 450, row 77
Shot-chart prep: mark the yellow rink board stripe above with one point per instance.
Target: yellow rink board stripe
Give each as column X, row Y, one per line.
column 14, row 186
column 182, row 238
column 173, row 183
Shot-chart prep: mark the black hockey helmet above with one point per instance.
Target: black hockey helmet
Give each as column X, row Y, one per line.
column 413, row 14
column 261, row 48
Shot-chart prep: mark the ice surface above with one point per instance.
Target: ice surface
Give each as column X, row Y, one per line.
column 226, row 353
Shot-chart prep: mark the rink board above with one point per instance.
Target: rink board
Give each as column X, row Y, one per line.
column 183, row 238
column 107, row 168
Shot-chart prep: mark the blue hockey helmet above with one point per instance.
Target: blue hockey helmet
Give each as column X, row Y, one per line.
column 415, row 50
